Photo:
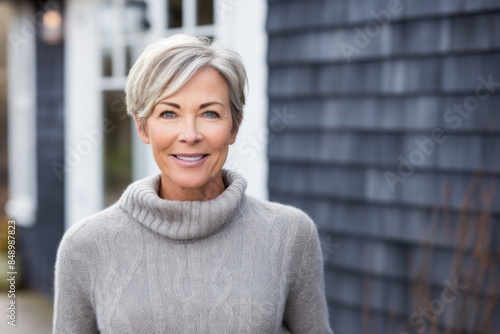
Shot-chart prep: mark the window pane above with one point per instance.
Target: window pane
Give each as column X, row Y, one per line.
column 135, row 16
column 128, row 59
column 175, row 13
column 205, row 12
column 107, row 63
column 117, row 146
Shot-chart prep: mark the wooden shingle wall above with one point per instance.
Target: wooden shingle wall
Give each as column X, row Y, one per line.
column 384, row 121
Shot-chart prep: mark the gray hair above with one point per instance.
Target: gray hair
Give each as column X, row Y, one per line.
column 167, row 65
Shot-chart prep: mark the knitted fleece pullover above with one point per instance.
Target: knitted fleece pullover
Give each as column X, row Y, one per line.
column 234, row 264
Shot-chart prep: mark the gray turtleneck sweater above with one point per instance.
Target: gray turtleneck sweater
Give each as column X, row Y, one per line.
column 234, row 264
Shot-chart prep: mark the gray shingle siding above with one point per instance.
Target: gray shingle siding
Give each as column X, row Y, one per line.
column 353, row 118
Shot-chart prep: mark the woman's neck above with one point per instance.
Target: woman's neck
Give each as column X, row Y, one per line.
column 209, row 191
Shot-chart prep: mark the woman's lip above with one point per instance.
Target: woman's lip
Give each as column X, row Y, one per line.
column 190, row 154
column 185, row 163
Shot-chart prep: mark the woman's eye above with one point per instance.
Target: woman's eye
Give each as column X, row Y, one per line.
column 211, row 114
column 167, row 114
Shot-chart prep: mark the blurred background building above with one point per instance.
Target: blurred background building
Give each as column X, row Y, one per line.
column 395, row 153
column 377, row 118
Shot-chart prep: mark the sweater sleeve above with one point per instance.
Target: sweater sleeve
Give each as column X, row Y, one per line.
column 73, row 310
column 306, row 307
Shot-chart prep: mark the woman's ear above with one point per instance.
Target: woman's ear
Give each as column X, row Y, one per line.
column 234, row 133
column 141, row 129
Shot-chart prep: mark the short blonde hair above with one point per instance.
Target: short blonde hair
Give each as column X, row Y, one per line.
column 168, row 64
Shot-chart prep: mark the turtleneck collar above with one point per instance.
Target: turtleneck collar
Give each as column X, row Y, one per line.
column 182, row 220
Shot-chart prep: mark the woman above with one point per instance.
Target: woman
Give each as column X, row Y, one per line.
column 186, row 251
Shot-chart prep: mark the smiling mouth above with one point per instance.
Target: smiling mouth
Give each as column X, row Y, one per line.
column 191, row 158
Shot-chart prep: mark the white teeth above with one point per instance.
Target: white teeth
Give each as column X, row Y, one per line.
column 189, row 158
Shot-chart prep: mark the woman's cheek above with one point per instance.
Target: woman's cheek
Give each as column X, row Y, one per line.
column 219, row 132
column 162, row 134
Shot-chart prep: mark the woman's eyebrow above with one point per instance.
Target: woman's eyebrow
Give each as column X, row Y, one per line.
column 204, row 105
column 175, row 105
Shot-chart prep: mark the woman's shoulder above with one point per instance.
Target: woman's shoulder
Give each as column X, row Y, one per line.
column 83, row 232
column 279, row 214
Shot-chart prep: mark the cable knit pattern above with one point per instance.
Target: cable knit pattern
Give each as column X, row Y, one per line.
column 234, row 264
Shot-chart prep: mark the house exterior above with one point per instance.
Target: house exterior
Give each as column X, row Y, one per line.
column 377, row 118
column 393, row 144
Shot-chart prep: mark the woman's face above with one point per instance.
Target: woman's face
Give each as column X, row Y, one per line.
column 190, row 133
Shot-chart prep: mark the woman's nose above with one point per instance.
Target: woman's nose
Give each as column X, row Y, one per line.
column 190, row 134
